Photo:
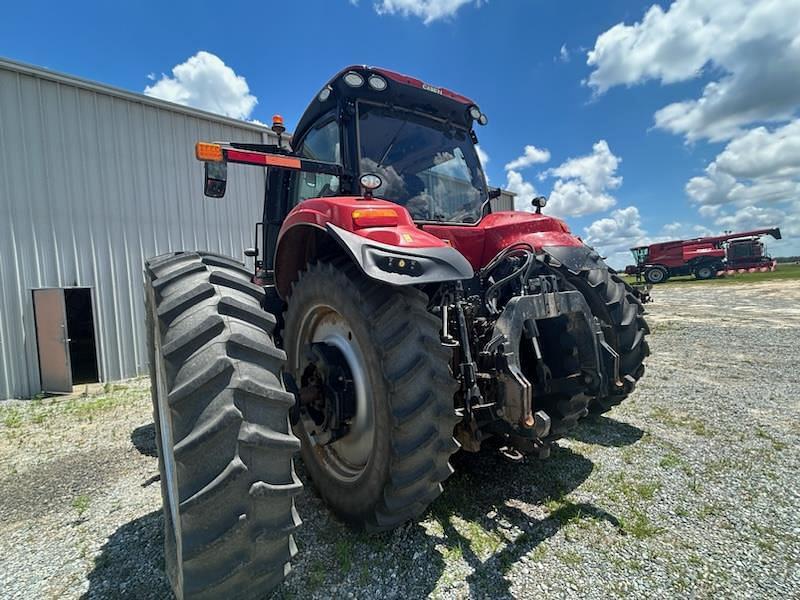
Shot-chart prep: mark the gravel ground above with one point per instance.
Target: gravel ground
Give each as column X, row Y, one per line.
column 690, row 488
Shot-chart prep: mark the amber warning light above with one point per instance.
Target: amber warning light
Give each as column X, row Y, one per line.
column 208, row 152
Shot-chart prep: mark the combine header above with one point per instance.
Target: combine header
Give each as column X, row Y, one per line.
column 705, row 258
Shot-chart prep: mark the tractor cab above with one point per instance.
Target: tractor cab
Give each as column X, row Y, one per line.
column 417, row 138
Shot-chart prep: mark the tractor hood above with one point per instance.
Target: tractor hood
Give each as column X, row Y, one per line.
column 481, row 242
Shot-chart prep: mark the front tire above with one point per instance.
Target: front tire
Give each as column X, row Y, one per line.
column 656, row 275
column 390, row 464
column 221, row 415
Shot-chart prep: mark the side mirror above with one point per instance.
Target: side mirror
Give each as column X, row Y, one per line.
column 216, row 179
column 494, row 193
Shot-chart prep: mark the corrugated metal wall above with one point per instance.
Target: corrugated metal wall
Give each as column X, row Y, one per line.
column 92, row 181
column 503, row 202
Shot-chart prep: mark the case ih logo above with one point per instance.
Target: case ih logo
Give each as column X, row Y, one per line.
column 430, row 88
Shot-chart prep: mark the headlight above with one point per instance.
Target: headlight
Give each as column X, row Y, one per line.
column 403, row 266
column 475, row 112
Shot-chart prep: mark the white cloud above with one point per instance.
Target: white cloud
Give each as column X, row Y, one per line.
column 205, row 82
column 531, row 156
column 754, row 182
column 751, row 46
column 427, row 10
column 761, row 152
column 750, row 217
column 582, row 183
column 597, row 170
column 524, row 190
column 760, row 166
column 483, row 156
column 673, row 229
column 563, row 54
column 679, row 231
column 619, row 229
column 615, row 235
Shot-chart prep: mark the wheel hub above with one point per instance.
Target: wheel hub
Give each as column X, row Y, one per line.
column 328, row 393
column 335, row 407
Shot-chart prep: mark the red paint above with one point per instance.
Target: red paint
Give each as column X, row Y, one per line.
column 496, row 231
column 418, row 83
column 338, row 210
column 478, row 243
column 262, row 159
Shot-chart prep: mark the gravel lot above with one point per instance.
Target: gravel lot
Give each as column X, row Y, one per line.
column 690, row 488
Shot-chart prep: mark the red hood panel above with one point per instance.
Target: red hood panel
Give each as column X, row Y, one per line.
column 480, row 243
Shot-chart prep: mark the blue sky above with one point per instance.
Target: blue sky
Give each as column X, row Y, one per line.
column 644, row 112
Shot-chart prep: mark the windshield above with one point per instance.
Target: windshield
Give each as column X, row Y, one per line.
column 428, row 167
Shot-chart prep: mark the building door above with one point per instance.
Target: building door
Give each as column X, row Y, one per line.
column 65, row 338
column 55, row 370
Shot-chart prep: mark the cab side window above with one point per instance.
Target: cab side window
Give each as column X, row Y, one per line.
column 322, row 144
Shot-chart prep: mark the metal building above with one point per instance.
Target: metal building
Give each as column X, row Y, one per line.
column 92, row 181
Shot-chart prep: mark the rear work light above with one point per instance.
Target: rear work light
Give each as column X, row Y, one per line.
column 208, row 152
column 353, row 79
column 377, row 83
column 374, row 217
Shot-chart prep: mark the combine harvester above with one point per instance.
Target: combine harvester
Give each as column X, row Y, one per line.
column 705, row 258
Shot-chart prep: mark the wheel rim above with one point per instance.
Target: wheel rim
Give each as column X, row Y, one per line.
column 656, row 276
column 346, row 458
column 704, row 273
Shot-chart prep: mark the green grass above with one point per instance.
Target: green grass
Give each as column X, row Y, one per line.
column 483, row 543
column 669, row 460
column 639, row 525
column 80, row 504
column 344, row 552
column 570, row 558
column 783, row 272
column 85, row 407
column 12, row 418
column 316, row 575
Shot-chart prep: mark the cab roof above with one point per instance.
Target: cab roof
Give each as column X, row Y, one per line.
column 401, row 90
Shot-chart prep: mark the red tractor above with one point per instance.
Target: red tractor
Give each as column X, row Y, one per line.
column 392, row 319
column 703, row 257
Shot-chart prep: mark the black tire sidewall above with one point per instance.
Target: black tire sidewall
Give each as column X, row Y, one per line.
column 700, row 272
column 170, row 542
column 653, row 270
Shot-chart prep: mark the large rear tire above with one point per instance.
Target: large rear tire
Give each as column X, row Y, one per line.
column 221, row 414
column 621, row 316
column 390, row 465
